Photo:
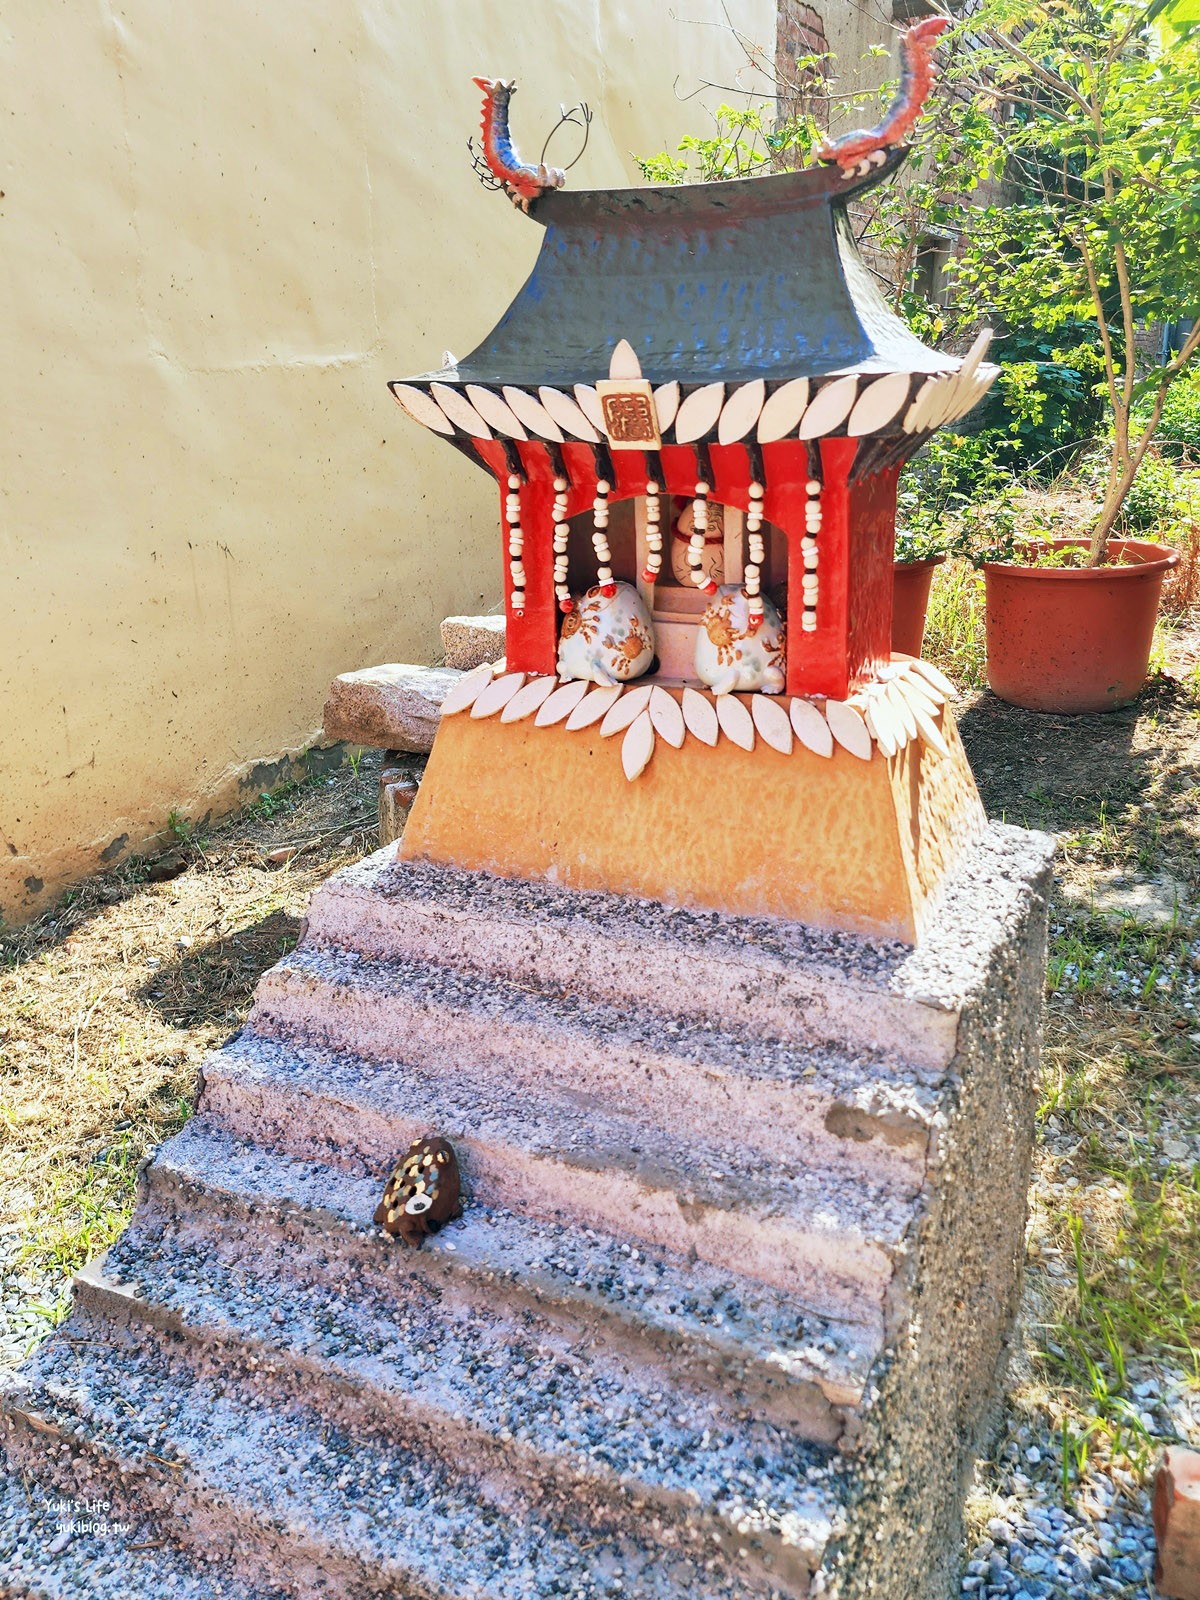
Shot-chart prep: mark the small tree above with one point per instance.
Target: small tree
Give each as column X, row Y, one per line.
column 1095, row 121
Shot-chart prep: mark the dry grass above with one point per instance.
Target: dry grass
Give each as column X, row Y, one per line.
column 108, row 1006
column 1114, row 1242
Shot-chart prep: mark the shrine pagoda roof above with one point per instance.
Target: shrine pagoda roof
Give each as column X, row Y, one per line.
column 749, row 278
column 753, row 281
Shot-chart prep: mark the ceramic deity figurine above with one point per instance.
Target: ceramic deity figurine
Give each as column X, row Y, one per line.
column 607, row 638
column 712, row 561
column 729, row 656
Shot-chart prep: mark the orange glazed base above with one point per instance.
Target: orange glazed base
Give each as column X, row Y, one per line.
column 835, row 841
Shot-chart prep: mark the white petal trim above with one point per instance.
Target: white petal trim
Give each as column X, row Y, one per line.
column 527, row 700
column 736, row 722
column 418, row 405
column 623, row 362
column 700, row 715
column 741, row 411
column 830, row 409
column 667, row 717
column 567, row 413
column 772, row 723
column 666, row 404
column 460, row 411
column 698, row 413
column 783, row 410
column 631, row 704
column 879, row 404
column 594, row 706
column 496, row 695
column 589, row 403
column 463, row 694
column 849, row 729
column 533, row 414
column 810, row 727
column 495, row 413
column 637, row 746
column 561, row 703
column 939, row 680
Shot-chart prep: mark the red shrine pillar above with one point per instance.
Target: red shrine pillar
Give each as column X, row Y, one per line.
column 854, row 571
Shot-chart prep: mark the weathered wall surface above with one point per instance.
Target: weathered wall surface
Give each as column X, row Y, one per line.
column 223, row 228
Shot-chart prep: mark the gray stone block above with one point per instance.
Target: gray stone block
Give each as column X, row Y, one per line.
column 396, row 707
column 469, row 641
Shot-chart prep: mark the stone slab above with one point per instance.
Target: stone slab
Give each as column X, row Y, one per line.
column 469, row 641
column 393, row 707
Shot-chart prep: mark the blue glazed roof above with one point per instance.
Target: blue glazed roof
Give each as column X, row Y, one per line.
column 754, row 278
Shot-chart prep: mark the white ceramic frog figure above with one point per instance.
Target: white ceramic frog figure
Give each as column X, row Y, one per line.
column 729, row 656
column 607, row 638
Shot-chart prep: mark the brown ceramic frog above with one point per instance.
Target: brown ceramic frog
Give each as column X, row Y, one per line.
column 423, row 1193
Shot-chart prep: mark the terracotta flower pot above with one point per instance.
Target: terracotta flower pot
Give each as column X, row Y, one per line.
column 1074, row 638
column 910, row 600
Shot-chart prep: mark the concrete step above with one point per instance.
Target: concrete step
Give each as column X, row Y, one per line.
column 40, row 1562
column 781, row 980
column 237, row 1456
column 578, row 1429
column 709, row 1329
column 855, row 1111
column 832, row 1239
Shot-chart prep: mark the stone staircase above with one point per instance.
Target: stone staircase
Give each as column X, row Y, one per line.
column 722, row 1317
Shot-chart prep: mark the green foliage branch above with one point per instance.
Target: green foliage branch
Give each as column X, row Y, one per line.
column 1093, row 115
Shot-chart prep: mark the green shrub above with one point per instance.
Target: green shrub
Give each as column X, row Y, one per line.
column 1044, row 408
column 939, row 487
column 1179, row 430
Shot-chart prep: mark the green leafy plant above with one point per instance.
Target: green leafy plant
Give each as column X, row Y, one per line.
column 1092, row 119
column 745, row 142
column 955, row 495
column 1179, row 429
column 1045, row 407
column 178, row 826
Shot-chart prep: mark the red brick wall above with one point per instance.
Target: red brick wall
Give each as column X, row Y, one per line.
column 799, row 32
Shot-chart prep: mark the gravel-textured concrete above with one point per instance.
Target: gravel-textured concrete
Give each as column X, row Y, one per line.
column 723, row 1316
column 768, row 977
column 816, row 1104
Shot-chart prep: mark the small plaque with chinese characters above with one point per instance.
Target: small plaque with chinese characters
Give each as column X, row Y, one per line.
column 630, row 420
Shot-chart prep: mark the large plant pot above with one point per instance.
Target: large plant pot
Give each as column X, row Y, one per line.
column 1074, row 638
column 910, row 601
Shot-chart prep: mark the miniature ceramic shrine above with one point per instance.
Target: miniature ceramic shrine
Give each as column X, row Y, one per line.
column 742, row 1198
column 696, row 411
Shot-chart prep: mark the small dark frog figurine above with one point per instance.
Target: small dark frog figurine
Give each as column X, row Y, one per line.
column 423, row 1193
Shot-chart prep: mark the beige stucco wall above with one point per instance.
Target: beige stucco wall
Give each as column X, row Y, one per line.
column 223, row 227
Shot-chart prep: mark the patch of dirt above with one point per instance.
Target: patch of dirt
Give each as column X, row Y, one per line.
column 109, row 1004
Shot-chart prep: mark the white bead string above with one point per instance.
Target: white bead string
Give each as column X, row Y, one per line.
column 696, row 543
column 604, row 573
column 808, row 545
column 756, row 556
column 516, row 545
column 653, row 533
column 562, row 532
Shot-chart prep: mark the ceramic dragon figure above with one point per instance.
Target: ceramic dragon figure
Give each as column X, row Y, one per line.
column 858, row 152
column 521, row 181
